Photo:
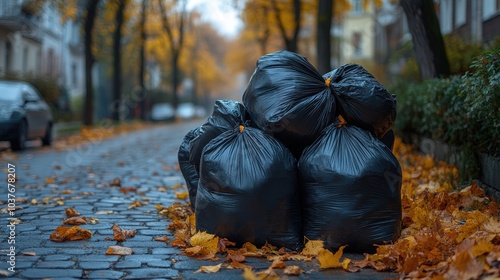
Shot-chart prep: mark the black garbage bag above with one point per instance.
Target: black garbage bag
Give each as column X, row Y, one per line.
column 351, row 187
column 287, row 98
column 248, row 190
column 188, row 170
column 227, row 114
column 361, row 99
column 388, row 139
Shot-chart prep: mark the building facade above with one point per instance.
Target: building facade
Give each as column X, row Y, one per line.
column 39, row 44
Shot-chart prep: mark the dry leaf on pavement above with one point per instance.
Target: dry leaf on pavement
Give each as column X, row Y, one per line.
column 329, row 260
column 119, row 250
column 71, row 212
column 75, row 221
column 162, row 239
column 209, row 268
column 120, row 234
column 64, row 233
column 293, row 270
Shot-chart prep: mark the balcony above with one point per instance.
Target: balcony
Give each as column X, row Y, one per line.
column 14, row 16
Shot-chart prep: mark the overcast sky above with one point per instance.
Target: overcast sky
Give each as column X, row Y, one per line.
column 221, row 13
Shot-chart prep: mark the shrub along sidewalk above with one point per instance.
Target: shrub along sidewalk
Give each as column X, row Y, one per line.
column 461, row 111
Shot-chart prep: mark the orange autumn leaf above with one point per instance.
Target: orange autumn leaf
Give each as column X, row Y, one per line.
column 71, row 212
column 75, row 221
column 119, row 250
column 135, row 204
column 313, row 247
column 293, row 270
column 209, row 269
column 278, row 263
column 238, row 265
column 120, row 234
column 126, row 190
column 63, row 233
column 329, row 260
column 162, row 239
column 235, row 256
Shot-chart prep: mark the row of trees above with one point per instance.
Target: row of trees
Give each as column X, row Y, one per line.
column 125, row 33
column 284, row 19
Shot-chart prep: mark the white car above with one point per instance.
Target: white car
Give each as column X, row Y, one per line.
column 162, row 112
column 186, row 111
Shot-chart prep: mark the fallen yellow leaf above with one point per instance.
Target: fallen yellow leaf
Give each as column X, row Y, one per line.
column 329, row 260
column 313, row 247
column 206, row 240
column 181, row 195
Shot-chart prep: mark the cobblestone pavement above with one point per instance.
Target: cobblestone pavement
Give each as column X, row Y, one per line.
column 80, row 178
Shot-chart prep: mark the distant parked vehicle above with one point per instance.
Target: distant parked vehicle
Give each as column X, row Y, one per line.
column 162, row 112
column 186, row 111
column 24, row 115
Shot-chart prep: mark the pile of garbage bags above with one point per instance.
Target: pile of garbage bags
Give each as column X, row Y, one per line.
column 304, row 155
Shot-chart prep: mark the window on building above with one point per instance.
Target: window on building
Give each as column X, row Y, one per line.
column 445, row 16
column 490, row 8
column 357, row 7
column 50, row 62
column 8, row 57
column 460, row 12
column 74, row 80
column 357, row 44
column 25, row 59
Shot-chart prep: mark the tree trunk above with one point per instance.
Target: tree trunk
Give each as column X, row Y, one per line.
column 142, row 62
column 291, row 44
column 117, row 83
column 325, row 8
column 294, row 42
column 175, row 79
column 88, row 111
column 428, row 42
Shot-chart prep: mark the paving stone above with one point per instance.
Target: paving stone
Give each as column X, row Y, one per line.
column 192, row 264
column 55, row 264
column 24, row 264
column 143, row 258
column 98, row 258
column 128, row 264
column 159, row 263
column 75, row 251
column 153, row 232
column 166, row 251
column 58, row 257
column 134, row 244
column 147, row 273
column 39, row 251
column 94, row 265
column 50, row 273
column 228, row 274
column 105, row 274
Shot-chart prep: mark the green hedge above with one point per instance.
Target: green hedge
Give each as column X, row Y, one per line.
column 462, row 111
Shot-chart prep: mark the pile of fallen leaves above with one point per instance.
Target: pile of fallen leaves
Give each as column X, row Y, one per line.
column 448, row 232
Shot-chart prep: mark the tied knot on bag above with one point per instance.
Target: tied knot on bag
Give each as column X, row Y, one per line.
column 242, row 127
column 328, row 81
column 341, row 122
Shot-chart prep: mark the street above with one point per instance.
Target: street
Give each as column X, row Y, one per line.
column 49, row 181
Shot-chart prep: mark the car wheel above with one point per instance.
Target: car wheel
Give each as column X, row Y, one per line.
column 19, row 143
column 47, row 139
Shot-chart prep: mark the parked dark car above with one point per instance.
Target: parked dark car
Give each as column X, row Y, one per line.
column 24, row 115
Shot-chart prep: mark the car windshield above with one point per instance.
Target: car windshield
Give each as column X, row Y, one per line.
column 9, row 92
